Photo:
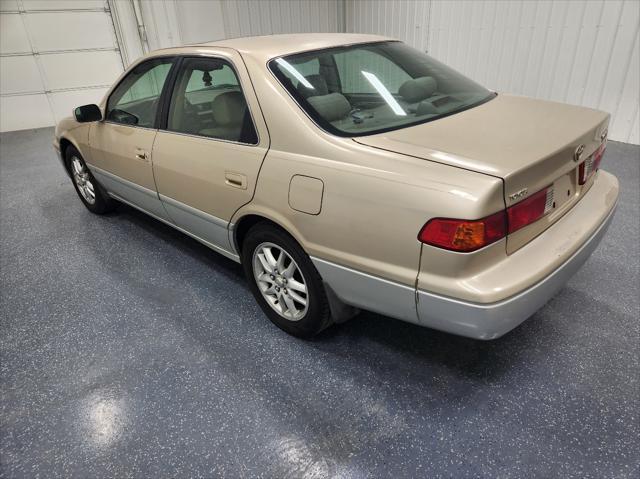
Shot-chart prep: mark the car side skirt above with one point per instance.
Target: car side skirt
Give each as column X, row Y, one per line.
column 202, row 225
column 149, row 201
column 142, row 198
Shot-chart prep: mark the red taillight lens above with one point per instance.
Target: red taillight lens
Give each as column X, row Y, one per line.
column 464, row 235
column 530, row 210
column 591, row 164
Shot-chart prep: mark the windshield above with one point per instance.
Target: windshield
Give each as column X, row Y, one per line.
column 374, row 87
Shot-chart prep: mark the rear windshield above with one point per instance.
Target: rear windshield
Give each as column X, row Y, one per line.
column 374, row 87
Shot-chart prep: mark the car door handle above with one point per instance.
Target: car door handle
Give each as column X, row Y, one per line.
column 236, row 180
column 141, row 155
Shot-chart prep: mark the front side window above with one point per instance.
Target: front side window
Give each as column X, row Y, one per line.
column 135, row 100
column 370, row 88
column 208, row 101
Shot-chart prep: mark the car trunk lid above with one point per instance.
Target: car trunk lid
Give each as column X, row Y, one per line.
column 530, row 144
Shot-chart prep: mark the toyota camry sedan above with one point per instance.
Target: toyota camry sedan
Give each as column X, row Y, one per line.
column 349, row 172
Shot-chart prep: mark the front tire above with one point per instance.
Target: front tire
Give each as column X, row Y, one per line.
column 284, row 281
column 89, row 190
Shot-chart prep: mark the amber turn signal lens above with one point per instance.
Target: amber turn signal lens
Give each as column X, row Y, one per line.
column 464, row 235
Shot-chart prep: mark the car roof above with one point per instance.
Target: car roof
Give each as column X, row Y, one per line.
column 271, row 46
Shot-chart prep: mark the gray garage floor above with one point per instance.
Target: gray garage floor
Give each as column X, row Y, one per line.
column 129, row 349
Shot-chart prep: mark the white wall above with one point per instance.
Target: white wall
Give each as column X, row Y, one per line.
column 178, row 22
column 583, row 52
column 264, row 17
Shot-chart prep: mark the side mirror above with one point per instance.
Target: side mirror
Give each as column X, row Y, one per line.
column 87, row 113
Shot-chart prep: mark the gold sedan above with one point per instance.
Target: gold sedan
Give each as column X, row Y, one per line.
column 350, row 172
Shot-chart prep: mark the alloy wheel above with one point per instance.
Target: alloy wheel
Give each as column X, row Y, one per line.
column 83, row 180
column 280, row 281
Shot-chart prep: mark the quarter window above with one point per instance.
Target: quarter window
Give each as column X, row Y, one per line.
column 135, row 100
column 208, row 101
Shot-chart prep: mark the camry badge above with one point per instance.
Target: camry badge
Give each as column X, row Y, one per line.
column 578, row 153
column 518, row 194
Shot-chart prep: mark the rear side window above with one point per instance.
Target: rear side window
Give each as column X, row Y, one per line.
column 135, row 100
column 208, row 101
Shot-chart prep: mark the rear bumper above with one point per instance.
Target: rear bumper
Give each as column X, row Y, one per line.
column 569, row 236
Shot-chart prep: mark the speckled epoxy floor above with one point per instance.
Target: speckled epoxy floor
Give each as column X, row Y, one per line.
column 130, row 350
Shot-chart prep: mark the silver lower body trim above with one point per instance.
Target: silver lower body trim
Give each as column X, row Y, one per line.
column 142, row 198
column 200, row 224
column 369, row 292
column 150, row 202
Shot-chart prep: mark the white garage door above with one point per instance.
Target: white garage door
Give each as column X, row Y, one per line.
column 55, row 55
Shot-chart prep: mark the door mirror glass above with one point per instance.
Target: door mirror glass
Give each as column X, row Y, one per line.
column 87, row 113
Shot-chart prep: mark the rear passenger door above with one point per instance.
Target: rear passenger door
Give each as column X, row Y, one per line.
column 208, row 152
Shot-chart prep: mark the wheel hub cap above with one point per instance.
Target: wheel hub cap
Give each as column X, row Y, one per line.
column 83, row 180
column 280, row 281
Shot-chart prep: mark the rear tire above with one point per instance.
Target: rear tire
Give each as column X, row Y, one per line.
column 284, row 281
column 91, row 193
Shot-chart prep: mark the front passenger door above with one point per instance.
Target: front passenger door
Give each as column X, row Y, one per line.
column 207, row 161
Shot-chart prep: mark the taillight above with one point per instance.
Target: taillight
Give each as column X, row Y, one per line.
column 591, row 164
column 464, row 235
column 530, row 210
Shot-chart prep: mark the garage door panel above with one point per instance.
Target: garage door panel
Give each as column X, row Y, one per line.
column 53, row 31
column 63, row 4
column 23, row 112
column 8, row 6
column 80, row 69
column 63, row 103
column 13, row 36
column 20, row 74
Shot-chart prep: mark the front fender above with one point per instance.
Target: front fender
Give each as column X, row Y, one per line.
column 70, row 132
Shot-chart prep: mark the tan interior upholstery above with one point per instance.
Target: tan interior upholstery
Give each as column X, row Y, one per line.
column 417, row 89
column 228, row 110
column 331, row 107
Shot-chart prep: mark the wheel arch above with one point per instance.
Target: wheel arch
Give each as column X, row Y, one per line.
column 340, row 311
column 245, row 220
column 65, row 143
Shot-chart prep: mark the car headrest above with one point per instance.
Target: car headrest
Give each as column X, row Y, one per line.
column 417, row 89
column 318, row 83
column 228, row 108
column 331, row 107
